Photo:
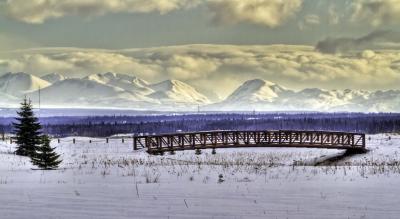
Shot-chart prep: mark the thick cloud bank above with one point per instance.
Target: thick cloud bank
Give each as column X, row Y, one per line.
column 220, row 68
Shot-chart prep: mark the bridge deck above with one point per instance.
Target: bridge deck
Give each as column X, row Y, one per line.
column 233, row 139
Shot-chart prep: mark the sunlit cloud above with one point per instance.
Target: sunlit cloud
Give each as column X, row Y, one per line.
column 37, row 11
column 376, row 12
column 269, row 13
column 223, row 68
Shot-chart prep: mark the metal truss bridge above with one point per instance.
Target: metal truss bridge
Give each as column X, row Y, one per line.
column 234, row 139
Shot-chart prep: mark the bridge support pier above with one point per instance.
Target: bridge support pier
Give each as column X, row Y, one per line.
column 356, row 151
column 161, row 153
column 198, row 151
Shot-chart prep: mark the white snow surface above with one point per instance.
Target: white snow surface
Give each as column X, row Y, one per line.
column 178, row 92
column 100, row 180
column 82, row 92
column 8, row 100
column 18, row 84
column 53, row 77
column 126, row 82
column 254, row 91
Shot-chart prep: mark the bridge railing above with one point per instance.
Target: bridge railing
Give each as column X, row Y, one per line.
column 220, row 139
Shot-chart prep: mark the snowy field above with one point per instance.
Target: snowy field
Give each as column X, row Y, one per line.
column 100, row 180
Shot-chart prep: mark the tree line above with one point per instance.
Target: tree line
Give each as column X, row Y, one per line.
column 103, row 126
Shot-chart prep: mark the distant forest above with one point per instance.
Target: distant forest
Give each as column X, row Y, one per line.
column 103, row 126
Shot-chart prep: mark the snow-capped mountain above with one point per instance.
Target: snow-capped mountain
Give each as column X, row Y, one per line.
column 88, row 93
column 172, row 93
column 256, row 90
column 18, row 84
column 315, row 99
column 254, row 94
column 8, row 100
column 123, row 77
column 383, row 101
column 126, row 82
column 177, row 92
column 267, row 96
column 110, row 90
column 53, row 77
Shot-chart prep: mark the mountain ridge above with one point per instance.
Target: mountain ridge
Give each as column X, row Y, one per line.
column 113, row 90
column 19, row 83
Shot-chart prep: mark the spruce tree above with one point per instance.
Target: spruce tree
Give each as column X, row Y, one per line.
column 45, row 157
column 27, row 129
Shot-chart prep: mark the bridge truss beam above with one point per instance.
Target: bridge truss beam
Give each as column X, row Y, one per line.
column 232, row 139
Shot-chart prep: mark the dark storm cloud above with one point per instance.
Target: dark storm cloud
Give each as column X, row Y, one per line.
column 345, row 44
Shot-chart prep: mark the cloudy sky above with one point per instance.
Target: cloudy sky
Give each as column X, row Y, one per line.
column 211, row 44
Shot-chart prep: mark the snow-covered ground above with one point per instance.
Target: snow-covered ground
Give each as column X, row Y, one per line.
column 100, row 180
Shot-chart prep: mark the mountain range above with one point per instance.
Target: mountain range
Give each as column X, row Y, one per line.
column 120, row 91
